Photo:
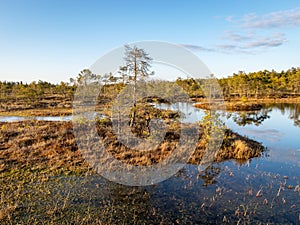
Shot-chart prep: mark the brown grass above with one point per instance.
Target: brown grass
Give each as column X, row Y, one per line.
column 52, row 145
column 39, row 144
column 249, row 104
column 230, row 106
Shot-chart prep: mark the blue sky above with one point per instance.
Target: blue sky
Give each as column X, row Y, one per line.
column 54, row 40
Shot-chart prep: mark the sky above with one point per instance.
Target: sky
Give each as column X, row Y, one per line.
column 54, row 40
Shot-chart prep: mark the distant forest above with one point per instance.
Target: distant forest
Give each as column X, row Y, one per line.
column 261, row 84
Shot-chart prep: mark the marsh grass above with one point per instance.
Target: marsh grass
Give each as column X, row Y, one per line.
column 230, row 106
column 45, row 180
column 242, row 104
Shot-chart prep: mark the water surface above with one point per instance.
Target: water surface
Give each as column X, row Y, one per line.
column 39, row 118
column 277, row 126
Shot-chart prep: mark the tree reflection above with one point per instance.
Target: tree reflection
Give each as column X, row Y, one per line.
column 294, row 114
column 209, row 174
column 258, row 117
column 293, row 111
column 248, row 118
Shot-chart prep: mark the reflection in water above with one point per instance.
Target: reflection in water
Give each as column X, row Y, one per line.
column 246, row 118
column 38, row 118
column 225, row 191
column 293, row 110
column 209, row 174
column 276, row 126
column 258, row 117
column 192, row 114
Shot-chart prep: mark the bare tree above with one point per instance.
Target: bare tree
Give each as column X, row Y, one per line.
column 137, row 67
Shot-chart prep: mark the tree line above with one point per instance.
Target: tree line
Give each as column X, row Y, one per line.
column 261, row 84
column 34, row 91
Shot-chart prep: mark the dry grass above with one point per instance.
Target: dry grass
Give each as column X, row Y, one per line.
column 249, row 104
column 49, row 105
column 39, row 144
column 230, row 106
column 52, row 144
column 38, row 112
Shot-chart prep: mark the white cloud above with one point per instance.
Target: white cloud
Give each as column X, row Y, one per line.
column 223, row 48
column 250, row 42
column 233, row 36
column 278, row 19
column 273, row 41
column 249, row 39
column 197, row 48
column 249, row 36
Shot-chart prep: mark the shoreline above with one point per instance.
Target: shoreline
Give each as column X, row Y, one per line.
column 242, row 105
column 230, row 105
